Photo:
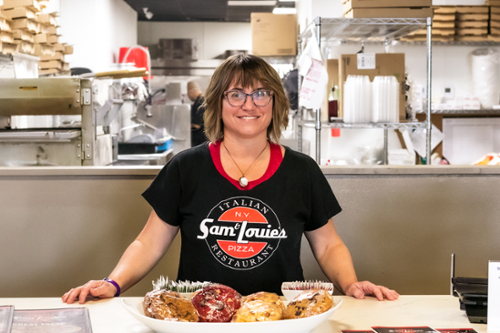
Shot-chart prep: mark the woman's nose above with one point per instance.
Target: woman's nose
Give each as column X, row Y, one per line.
column 249, row 104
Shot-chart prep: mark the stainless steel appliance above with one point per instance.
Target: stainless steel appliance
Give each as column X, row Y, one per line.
column 81, row 142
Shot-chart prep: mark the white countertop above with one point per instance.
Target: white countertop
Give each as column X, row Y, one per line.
column 152, row 171
column 109, row 316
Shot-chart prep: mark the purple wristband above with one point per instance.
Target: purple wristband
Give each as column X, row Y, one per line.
column 118, row 290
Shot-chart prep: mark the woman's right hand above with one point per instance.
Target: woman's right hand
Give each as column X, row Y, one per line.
column 89, row 291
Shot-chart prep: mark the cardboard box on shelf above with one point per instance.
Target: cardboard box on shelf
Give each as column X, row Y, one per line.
column 8, row 48
column 26, row 47
column 351, row 4
column 48, row 71
column 478, row 38
column 32, row 4
column 274, row 35
column 6, row 37
column 444, row 17
column 26, row 24
column 24, row 35
column 41, row 39
column 51, row 30
column 56, row 56
column 472, row 17
column 472, row 9
column 435, row 32
column 5, row 24
column 445, row 10
column 494, row 24
column 48, row 18
column 385, row 64
column 443, row 24
column 389, row 13
column 19, row 12
column 471, row 24
column 50, row 64
column 44, row 49
column 472, row 31
column 68, row 49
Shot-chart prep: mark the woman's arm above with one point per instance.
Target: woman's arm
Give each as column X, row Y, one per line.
column 139, row 258
column 336, row 262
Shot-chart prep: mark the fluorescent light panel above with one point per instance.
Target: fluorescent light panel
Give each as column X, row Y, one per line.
column 253, row 3
column 284, row 10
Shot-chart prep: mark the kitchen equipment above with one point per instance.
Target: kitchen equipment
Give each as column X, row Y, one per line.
column 61, row 127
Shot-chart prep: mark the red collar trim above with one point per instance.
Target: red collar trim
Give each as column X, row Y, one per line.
column 274, row 164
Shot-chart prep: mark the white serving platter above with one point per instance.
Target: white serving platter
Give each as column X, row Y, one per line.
column 304, row 325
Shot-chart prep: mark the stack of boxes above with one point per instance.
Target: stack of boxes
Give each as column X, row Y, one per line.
column 494, row 22
column 472, row 23
column 387, row 8
column 443, row 26
column 26, row 29
column 459, row 23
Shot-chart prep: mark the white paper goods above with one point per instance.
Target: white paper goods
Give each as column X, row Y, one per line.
column 418, row 138
column 493, row 296
column 485, row 77
column 313, row 89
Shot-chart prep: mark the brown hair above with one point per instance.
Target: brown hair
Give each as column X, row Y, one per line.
column 247, row 70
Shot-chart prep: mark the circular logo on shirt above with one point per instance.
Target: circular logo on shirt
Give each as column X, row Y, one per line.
column 242, row 232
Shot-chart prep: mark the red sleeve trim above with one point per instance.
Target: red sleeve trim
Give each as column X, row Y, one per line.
column 274, row 164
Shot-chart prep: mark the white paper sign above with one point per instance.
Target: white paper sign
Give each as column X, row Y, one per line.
column 494, row 296
column 366, row 61
column 312, row 68
column 313, row 89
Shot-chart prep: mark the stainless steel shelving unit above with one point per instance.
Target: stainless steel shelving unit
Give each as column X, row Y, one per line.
column 464, row 112
column 372, row 30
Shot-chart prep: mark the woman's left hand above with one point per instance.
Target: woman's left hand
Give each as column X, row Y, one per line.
column 365, row 288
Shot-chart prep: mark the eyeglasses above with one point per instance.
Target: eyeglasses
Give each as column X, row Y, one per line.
column 259, row 97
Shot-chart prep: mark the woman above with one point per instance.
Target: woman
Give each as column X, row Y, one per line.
column 242, row 201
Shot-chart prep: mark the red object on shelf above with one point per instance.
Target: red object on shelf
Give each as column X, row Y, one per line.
column 137, row 56
column 335, row 132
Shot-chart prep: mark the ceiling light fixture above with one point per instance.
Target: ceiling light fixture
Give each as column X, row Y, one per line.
column 252, row 3
column 147, row 13
column 284, row 10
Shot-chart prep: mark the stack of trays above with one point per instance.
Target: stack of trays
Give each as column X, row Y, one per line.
column 26, row 29
column 494, row 20
column 387, row 8
column 472, row 23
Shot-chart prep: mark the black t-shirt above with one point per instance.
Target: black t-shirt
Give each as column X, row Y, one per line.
column 246, row 239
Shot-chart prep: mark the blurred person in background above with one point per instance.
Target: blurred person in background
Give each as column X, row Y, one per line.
column 197, row 110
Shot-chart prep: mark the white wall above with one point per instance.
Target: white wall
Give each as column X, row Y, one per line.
column 97, row 29
column 213, row 37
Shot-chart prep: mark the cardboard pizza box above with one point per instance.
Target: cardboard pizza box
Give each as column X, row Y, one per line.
column 19, row 12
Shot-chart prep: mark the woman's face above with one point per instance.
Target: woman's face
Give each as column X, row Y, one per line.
column 248, row 120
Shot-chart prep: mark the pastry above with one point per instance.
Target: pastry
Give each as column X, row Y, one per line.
column 169, row 305
column 309, row 303
column 216, row 303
